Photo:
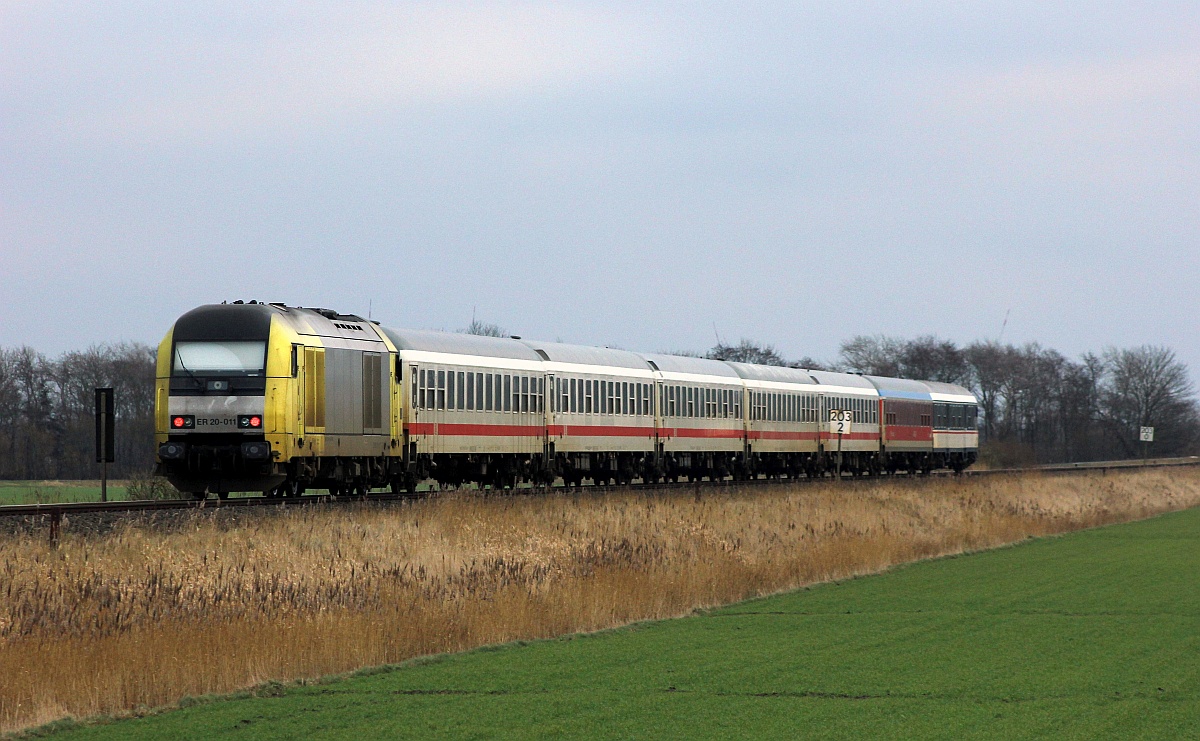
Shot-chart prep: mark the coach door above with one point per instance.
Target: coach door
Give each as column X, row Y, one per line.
column 659, row 411
column 550, row 400
column 415, row 401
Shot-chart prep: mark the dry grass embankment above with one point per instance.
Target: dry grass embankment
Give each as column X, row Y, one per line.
column 147, row 615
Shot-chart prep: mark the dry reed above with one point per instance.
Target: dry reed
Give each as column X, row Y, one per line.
column 146, row 615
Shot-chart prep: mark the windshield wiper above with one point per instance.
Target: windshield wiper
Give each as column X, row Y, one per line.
column 198, row 382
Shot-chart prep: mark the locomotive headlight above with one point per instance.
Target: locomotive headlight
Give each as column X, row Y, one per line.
column 183, row 422
column 171, row 451
column 249, row 422
column 256, row 451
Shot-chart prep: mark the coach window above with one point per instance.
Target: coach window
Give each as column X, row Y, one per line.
column 441, row 389
column 504, row 403
column 419, row 400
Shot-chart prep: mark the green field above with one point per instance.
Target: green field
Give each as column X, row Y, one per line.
column 48, row 492
column 1091, row 635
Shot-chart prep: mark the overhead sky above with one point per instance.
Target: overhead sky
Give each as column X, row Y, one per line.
column 646, row 176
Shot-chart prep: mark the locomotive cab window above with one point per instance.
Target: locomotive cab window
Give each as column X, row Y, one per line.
column 243, row 358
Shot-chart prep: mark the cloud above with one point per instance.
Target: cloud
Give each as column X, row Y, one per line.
column 1080, row 84
column 308, row 67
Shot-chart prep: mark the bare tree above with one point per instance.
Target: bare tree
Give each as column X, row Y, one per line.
column 484, row 329
column 876, row 355
column 807, row 363
column 928, row 358
column 1148, row 386
column 747, row 351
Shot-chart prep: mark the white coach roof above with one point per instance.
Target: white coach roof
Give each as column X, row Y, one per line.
column 776, row 373
column 689, row 365
column 456, row 343
column 584, row 355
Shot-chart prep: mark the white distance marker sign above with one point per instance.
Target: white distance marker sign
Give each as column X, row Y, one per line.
column 839, row 421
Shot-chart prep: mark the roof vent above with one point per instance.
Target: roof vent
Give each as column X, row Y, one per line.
column 514, row 337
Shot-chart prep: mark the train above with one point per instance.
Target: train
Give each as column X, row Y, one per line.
column 265, row 397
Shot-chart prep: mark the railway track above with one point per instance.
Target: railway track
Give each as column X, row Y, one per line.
column 55, row 511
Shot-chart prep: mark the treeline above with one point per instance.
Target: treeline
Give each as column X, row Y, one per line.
column 47, row 411
column 1036, row 405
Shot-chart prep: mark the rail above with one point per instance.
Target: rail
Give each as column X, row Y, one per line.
column 56, row 511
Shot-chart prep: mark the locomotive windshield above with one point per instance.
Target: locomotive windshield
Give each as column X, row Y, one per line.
column 220, row 357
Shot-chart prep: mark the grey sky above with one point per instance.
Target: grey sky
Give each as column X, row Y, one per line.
column 613, row 174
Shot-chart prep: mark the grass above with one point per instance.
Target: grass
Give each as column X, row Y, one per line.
column 1091, row 635
column 146, row 615
column 46, row 492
